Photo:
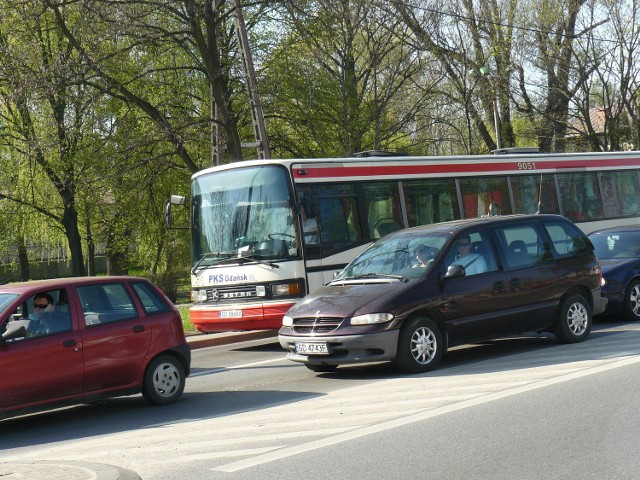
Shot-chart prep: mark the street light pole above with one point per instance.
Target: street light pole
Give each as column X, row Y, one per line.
column 484, row 72
column 496, row 120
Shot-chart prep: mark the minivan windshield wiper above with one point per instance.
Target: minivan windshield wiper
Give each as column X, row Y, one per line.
column 402, row 278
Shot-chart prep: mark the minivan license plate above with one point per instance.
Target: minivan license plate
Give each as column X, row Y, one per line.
column 312, row 348
column 231, row 314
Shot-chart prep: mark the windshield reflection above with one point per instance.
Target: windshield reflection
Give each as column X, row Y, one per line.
column 403, row 256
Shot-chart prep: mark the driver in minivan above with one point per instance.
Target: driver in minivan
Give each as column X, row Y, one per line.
column 472, row 262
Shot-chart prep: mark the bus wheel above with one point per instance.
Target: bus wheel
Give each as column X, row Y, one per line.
column 321, row 368
column 632, row 301
column 420, row 345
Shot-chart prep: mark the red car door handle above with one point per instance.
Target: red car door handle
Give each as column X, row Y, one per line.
column 69, row 343
column 138, row 329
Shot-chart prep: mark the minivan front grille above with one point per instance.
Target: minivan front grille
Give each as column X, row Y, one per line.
column 316, row 325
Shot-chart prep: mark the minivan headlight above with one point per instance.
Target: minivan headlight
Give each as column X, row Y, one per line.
column 371, row 318
column 287, row 321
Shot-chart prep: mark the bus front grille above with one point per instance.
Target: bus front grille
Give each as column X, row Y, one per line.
column 232, row 294
column 316, row 325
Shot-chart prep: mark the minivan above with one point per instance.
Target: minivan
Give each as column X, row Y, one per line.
column 416, row 292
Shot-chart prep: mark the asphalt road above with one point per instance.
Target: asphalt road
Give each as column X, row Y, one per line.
column 526, row 408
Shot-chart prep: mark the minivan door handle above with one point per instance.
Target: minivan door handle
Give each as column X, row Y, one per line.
column 499, row 286
column 515, row 283
column 138, row 329
column 69, row 343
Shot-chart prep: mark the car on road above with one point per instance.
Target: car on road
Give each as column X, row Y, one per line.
column 618, row 249
column 75, row 340
column 416, row 292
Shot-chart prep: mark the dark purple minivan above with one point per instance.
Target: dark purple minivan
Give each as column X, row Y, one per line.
column 416, row 292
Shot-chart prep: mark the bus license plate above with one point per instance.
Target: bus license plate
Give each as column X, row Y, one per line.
column 312, row 348
column 231, row 314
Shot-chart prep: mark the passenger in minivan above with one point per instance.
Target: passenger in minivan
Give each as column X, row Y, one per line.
column 472, row 262
column 425, row 256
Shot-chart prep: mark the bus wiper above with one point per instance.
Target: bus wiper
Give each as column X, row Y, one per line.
column 207, row 255
column 402, row 278
column 251, row 257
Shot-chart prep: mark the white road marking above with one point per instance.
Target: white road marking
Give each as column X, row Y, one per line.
column 235, row 367
column 380, row 427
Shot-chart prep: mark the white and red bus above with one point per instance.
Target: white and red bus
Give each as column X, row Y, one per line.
column 267, row 232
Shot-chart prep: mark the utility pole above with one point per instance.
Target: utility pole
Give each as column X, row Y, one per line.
column 257, row 116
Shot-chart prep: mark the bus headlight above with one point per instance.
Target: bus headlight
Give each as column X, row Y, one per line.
column 287, row 321
column 198, row 296
column 286, row 289
column 371, row 318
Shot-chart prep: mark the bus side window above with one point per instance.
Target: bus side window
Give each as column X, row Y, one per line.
column 430, row 201
column 382, row 208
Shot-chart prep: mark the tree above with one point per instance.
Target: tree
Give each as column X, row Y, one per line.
column 43, row 113
column 341, row 81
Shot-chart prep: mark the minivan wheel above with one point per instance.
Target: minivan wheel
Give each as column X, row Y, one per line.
column 574, row 320
column 163, row 380
column 632, row 301
column 420, row 345
column 321, row 368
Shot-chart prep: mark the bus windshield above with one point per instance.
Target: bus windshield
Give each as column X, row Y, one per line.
column 243, row 213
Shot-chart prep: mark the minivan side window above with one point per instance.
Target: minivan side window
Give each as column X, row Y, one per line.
column 521, row 243
column 567, row 239
column 473, row 251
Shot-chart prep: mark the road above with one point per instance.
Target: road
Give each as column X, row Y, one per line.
column 526, row 408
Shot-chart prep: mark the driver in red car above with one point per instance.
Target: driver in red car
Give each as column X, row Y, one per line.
column 44, row 319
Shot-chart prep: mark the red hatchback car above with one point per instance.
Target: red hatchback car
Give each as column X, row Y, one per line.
column 73, row 340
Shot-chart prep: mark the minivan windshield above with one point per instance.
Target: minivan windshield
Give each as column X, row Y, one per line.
column 407, row 256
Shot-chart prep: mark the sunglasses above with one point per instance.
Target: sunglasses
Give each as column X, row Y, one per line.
column 463, row 244
column 39, row 305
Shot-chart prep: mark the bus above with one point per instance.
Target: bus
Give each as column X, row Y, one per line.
column 265, row 233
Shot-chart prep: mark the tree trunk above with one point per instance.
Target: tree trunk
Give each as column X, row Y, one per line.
column 71, row 231
column 23, row 260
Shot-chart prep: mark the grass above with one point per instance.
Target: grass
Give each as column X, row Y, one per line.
column 186, row 319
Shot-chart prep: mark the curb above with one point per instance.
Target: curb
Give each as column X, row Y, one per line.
column 71, row 470
column 203, row 340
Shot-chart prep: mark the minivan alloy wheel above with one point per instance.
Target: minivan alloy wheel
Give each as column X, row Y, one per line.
column 420, row 345
column 423, row 345
column 577, row 318
column 573, row 323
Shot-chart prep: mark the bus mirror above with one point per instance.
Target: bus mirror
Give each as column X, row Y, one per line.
column 168, row 220
column 177, row 200
column 167, row 215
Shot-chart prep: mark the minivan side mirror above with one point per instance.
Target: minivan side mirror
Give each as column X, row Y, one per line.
column 454, row 271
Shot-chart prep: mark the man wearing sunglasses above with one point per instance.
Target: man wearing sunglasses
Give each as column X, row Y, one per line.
column 44, row 319
column 472, row 262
